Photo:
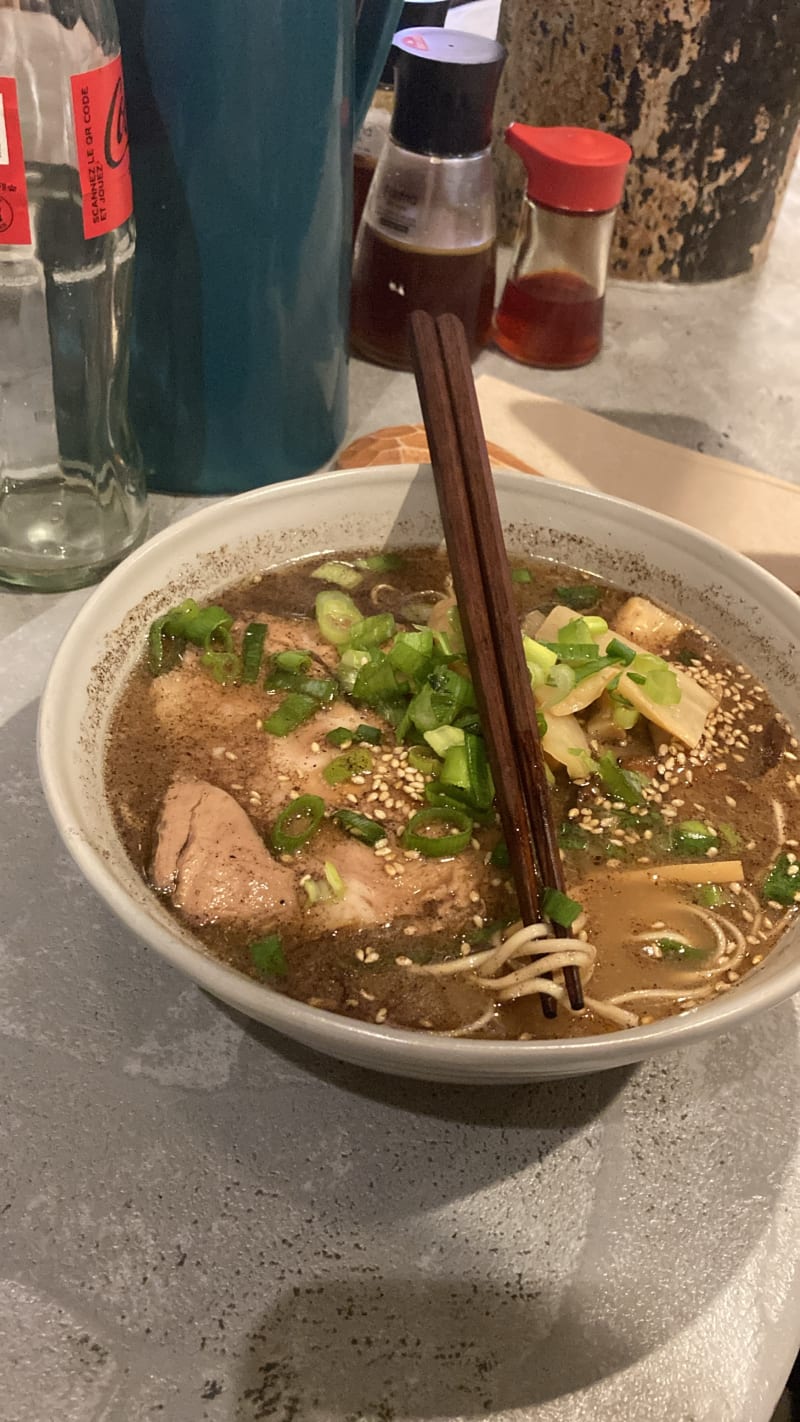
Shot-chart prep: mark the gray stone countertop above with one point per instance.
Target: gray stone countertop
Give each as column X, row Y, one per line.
column 202, row 1223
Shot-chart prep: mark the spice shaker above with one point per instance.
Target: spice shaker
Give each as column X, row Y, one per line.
column 427, row 237
column 551, row 312
column 374, row 131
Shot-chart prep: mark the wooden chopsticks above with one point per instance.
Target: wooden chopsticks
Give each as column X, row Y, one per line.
column 485, row 597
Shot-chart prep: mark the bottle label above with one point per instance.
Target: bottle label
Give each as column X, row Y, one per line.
column 15, row 222
column 101, row 133
column 371, row 141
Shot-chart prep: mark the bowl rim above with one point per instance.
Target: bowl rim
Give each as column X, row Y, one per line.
column 333, row 1032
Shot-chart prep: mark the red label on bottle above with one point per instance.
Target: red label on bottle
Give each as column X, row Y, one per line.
column 101, row 132
column 15, row 222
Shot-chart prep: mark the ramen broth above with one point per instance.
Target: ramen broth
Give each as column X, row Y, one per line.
column 679, row 859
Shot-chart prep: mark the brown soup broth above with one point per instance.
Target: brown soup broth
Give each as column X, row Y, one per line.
column 184, row 725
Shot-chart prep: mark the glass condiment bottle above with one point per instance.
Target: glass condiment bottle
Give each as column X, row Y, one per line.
column 427, row 238
column 374, row 131
column 551, row 311
column 72, row 487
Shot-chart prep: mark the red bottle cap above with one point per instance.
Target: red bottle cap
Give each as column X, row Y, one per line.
column 575, row 169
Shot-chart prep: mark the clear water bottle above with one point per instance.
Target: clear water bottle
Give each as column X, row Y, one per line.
column 72, row 489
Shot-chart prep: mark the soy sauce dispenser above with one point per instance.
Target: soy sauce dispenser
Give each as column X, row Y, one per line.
column 427, row 237
column 374, row 131
column 551, row 311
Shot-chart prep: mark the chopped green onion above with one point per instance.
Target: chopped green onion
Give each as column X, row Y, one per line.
column 499, row 856
column 582, row 596
column 253, row 650
column 624, row 714
column 292, row 661
column 454, row 775
column 320, row 687
column 625, row 785
column 380, row 563
column 359, row 826
column 442, row 738
column 457, row 825
column 597, row 625
column 710, row 895
column 335, row 880
column 354, row 762
column 412, row 654
column 375, row 682
column 296, row 823
column 782, row 884
column 481, row 786
column 373, row 631
column 224, row 666
column 267, row 954
column 350, row 665
column 342, row 574
column 537, row 654
column 343, row 736
column 336, row 615
column 730, row 836
column 675, row 948
column 618, row 652
column 521, row 575
column 419, row 759
column 570, row 836
column 562, row 679
column 293, row 711
column 541, row 722
column 190, row 623
column 444, row 797
column 560, row 908
column 692, row 837
column 687, row 658
column 576, row 631
column 660, row 682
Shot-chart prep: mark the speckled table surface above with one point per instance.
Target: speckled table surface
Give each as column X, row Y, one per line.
column 203, row 1223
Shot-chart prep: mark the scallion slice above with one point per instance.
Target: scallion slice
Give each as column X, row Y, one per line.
column 336, row 615
column 360, row 826
column 343, row 574
column 293, row 711
column 481, row 786
column 421, row 760
column 354, row 762
column 373, row 631
column 224, row 666
column 560, row 908
column 292, row 661
column 253, row 650
column 782, row 884
column 580, row 597
column 521, row 575
column 457, row 832
column 625, row 785
column 296, row 823
column 692, row 837
column 268, row 956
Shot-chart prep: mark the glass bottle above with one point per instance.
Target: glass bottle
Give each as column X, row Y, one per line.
column 551, row 311
column 72, row 489
column 374, row 131
column 427, row 237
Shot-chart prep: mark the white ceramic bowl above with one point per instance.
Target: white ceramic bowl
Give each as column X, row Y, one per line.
column 755, row 617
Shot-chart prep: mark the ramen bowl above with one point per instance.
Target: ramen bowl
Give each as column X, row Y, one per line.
column 755, row 617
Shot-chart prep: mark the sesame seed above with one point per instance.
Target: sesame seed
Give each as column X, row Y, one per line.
column 360, row 954
column 381, row 1014
column 403, row 962
column 368, row 996
column 231, row 755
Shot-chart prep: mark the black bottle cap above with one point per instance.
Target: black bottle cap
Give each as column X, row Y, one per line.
column 445, row 83
column 413, row 13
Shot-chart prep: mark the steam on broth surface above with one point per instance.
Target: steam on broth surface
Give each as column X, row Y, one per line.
column 314, row 799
